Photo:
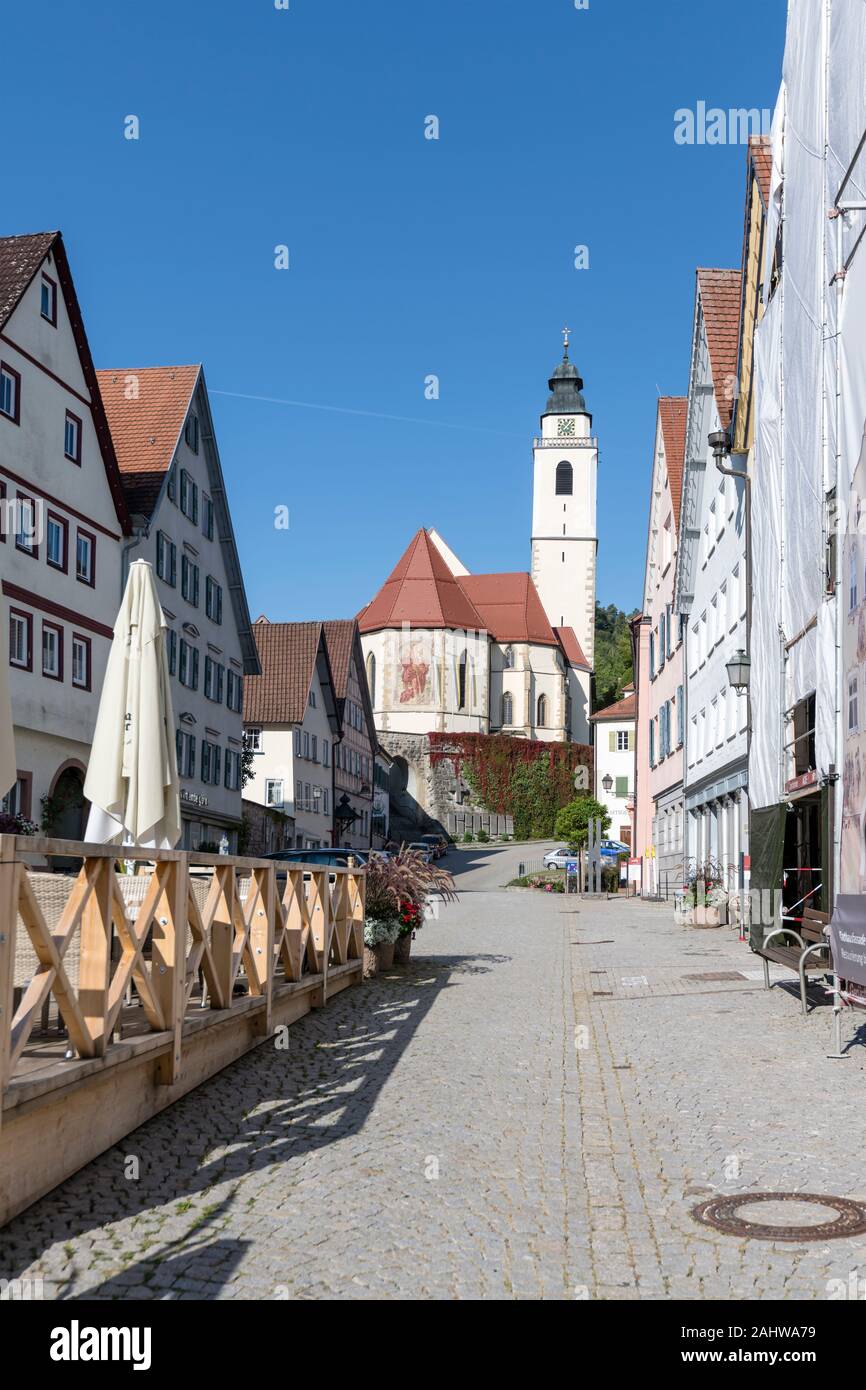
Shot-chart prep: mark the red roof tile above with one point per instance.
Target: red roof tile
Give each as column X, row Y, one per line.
column 761, row 155
column 420, row 590
column 288, row 653
column 626, row 708
column 672, row 414
column 720, row 292
column 509, row 606
column 571, row 648
column 146, row 429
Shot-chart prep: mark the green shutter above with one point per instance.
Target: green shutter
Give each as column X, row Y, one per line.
column 622, row 787
column 611, row 741
column 631, row 740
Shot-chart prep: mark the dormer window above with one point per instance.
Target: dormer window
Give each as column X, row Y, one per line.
column 48, row 300
column 564, row 480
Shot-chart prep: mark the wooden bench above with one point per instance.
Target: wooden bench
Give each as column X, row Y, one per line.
column 809, row 942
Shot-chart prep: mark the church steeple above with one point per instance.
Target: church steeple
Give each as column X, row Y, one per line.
column 566, row 386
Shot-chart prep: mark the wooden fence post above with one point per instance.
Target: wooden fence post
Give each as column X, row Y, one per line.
column 169, row 960
column 95, row 968
column 9, row 871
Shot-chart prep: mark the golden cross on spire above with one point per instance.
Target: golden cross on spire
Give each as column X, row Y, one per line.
column 566, row 332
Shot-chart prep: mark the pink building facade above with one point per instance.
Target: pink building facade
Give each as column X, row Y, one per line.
column 659, row 814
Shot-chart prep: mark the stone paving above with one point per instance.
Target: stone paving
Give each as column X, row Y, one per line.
column 529, row 1110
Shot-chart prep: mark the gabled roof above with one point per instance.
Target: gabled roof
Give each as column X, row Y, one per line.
column 20, row 259
column 571, row 648
column 420, row 590
column 622, row 710
column 146, row 429
column 509, row 606
column 721, row 292
column 290, row 654
column 673, row 411
column 344, row 641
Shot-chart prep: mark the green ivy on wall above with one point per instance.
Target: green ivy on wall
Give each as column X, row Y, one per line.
column 525, row 779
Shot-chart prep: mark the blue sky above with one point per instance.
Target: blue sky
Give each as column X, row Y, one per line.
column 408, row 256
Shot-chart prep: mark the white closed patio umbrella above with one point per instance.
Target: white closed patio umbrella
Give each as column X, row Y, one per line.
column 8, row 766
column 132, row 783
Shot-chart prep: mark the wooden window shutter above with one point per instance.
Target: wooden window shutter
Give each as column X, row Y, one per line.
column 611, row 741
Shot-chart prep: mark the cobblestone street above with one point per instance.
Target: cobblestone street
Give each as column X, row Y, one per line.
column 450, row 1130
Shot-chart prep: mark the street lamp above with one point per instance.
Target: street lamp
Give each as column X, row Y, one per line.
column 344, row 816
column 739, row 670
column 607, row 783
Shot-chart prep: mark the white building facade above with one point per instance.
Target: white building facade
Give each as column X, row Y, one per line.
column 712, row 596
column 64, row 528
column 161, row 423
column 615, row 764
column 291, row 727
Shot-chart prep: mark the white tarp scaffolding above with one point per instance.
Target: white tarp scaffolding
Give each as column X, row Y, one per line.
column 846, row 165
column 819, row 122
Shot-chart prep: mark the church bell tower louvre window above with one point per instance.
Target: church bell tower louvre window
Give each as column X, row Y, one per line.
column 564, row 480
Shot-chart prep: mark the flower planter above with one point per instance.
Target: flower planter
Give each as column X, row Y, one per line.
column 403, row 949
column 371, row 962
column 708, row 916
column 386, row 954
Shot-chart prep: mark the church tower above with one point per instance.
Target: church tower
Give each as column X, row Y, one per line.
column 564, row 536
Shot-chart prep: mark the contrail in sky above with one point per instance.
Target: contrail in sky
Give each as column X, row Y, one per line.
column 369, row 414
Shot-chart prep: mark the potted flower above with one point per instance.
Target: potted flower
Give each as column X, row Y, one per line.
column 397, row 892
column 411, row 918
column 379, row 938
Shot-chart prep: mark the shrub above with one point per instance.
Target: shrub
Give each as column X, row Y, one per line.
column 468, row 838
column 483, row 837
column 572, row 822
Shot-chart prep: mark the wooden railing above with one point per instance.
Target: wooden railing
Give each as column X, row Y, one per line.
column 122, row 953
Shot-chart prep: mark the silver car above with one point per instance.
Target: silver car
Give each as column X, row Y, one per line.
column 558, row 858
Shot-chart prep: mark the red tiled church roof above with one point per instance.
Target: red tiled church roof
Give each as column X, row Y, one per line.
column 146, row 429
column 420, row 590
column 510, row 608
column 571, row 648
column 672, row 414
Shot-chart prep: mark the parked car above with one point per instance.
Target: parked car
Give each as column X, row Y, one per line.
column 436, row 843
column 334, row 857
column 612, row 849
column 558, row 858
column 422, row 848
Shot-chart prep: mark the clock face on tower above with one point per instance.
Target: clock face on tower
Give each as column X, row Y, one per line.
column 565, row 426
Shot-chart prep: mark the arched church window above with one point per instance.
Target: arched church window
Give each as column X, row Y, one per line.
column 461, row 681
column 371, row 677
column 564, row 480
column 507, row 709
column 508, row 659
column 541, row 712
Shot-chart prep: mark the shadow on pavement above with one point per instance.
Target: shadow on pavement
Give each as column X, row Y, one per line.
column 269, row 1108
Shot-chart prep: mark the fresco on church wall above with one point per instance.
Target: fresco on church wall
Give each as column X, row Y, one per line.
column 414, row 675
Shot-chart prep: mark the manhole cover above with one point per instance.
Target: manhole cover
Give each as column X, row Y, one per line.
column 770, row 1216
column 710, row 976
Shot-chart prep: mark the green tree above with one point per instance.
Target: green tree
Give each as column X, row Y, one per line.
column 613, row 654
column 572, row 822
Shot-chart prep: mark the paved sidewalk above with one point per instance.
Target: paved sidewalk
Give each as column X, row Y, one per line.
column 530, row 1110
